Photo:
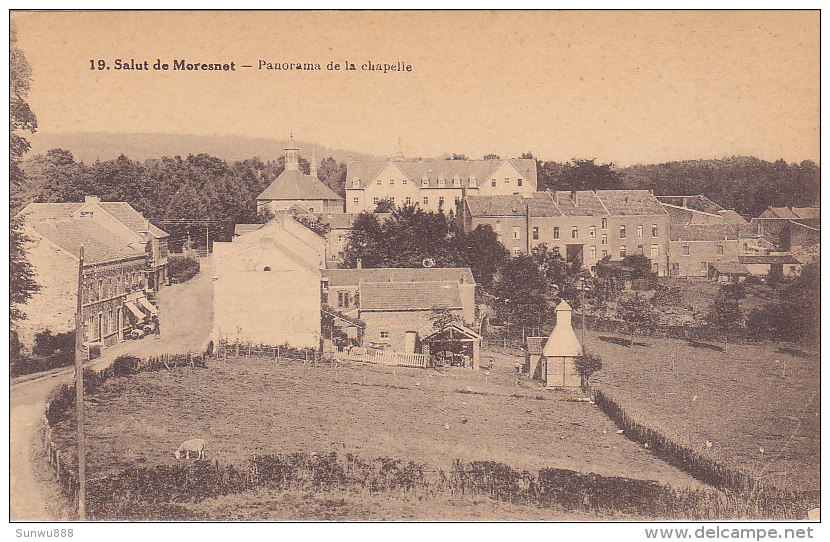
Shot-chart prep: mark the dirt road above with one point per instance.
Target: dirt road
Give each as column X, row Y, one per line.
column 185, row 314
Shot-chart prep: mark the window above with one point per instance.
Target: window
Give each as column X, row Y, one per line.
column 654, row 230
column 519, row 181
column 384, row 334
column 593, row 251
column 556, row 232
column 704, row 267
column 392, row 200
column 556, row 249
column 456, row 181
column 574, row 232
column 685, row 250
column 408, row 200
column 675, row 268
column 493, row 183
column 622, row 231
column 391, row 182
column 355, row 183
column 311, row 209
column 639, row 230
column 356, row 201
column 720, row 249
column 403, row 182
column 592, row 232
column 378, row 182
column 604, row 238
column 375, row 201
column 425, row 182
column 340, row 239
column 426, row 200
column 442, row 181
column 457, row 200
column 498, row 226
column 506, row 180
column 746, row 247
column 622, row 251
column 655, row 251
column 656, row 268
column 346, row 299
column 604, row 223
column 440, row 202
column 515, row 232
column 604, row 253
column 535, row 233
column 517, row 251
column 266, row 268
column 472, row 182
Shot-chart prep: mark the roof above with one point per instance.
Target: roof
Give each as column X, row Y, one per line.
column 807, row 212
column 694, row 203
column 131, row 218
column 293, row 184
column 769, row 259
column 732, row 217
column 99, row 243
column 239, row 229
column 702, row 232
column 778, row 212
column 431, row 170
column 354, row 277
column 535, row 344
column 120, row 210
column 568, row 203
column 400, row 296
column 730, row 268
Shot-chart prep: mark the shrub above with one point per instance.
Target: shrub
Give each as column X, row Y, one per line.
column 587, row 364
column 182, row 268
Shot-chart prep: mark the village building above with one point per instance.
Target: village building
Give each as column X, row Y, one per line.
column 124, row 224
column 790, row 228
column 433, row 185
column 397, row 307
column 296, row 192
column 556, row 363
column 694, row 248
column 266, row 286
column 113, row 285
column 584, row 226
column 728, row 272
column 775, row 265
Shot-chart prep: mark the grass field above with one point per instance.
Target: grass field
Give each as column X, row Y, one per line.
column 744, row 400
column 261, row 406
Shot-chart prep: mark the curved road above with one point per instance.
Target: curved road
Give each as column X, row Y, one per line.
column 185, row 314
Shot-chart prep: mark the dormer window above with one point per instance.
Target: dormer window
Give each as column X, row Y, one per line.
column 403, row 181
column 456, row 181
column 391, row 182
column 472, row 182
column 425, row 181
column 355, row 183
column 442, row 181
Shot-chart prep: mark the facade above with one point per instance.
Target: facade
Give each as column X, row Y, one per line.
column 790, row 228
column 775, row 265
column 296, row 192
column 693, row 248
column 584, row 226
column 434, row 185
column 114, row 281
column 124, row 224
column 396, row 303
column 266, row 286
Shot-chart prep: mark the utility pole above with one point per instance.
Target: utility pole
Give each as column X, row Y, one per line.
column 207, row 239
column 583, row 311
column 79, row 389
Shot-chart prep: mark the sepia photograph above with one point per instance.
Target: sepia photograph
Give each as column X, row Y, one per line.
column 415, row 266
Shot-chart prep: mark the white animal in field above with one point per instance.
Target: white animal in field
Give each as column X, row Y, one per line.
column 708, row 444
column 195, row 446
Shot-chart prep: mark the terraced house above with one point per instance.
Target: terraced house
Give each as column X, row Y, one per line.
column 584, row 226
column 121, row 263
column 434, row 184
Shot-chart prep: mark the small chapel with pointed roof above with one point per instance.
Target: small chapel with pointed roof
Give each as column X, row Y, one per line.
column 294, row 191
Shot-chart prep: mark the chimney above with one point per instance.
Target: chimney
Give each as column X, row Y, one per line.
column 360, row 263
column 92, row 199
column 574, row 198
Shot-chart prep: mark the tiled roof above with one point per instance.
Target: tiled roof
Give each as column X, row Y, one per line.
column 392, row 296
column 540, row 204
column 732, row 217
column 432, row 170
column 807, row 212
column 567, row 203
column 630, row 202
column 353, row 277
column 770, row 258
column 131, row 218
column 778, row 212
column 99, row 244
column 239, row 229
column 702, row 232
column 42, row 211
column 730, row 268
column 695, row 203
column 292, row 184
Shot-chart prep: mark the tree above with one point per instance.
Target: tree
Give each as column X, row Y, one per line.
column 526, row 156
column 22, row 285
column 482, row 251
column 638, row 313
column 384, row 206
column 520, row 290
column 724, row 315
column 640, row 264
column 333, row 174
column 442, row 318
column 586, row 364
column 581, row 174
column 458, row 157
column 315, row 224
column 492, row 157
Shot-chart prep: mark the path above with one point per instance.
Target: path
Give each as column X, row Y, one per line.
column 185, row 314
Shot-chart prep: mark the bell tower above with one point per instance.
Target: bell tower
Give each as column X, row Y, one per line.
column 292, row 155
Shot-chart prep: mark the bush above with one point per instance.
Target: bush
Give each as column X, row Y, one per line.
column 182, row 268
column 48, row 352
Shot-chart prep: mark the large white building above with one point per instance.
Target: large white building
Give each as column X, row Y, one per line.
column 434, row 184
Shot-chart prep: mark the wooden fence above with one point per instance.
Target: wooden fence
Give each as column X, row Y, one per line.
column 398, row 359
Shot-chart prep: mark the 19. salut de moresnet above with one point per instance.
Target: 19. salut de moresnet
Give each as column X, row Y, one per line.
column 184, row 65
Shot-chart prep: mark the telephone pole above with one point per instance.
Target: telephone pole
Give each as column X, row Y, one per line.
column 583, row 310
column 79, row 389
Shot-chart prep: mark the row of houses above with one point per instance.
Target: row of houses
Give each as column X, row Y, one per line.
column 125, row 263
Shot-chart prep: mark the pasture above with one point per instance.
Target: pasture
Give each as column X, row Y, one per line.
column 757, row 406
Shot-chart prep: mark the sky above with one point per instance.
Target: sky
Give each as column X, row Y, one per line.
column 622, row 87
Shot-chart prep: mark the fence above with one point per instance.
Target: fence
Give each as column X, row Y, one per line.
column 398, row 359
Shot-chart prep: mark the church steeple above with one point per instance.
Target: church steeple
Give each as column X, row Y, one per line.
column 292, row 155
